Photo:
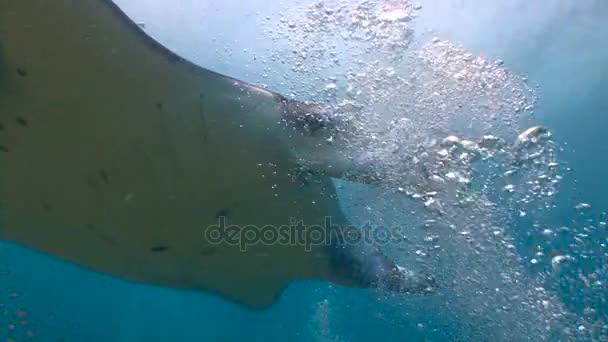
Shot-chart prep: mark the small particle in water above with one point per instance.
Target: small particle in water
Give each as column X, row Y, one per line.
column 437, row 179
column 532, row 134
column 331, row 86
column 291, row 24
column 451, row 175
column 582, row 206
column 469, row 145
column 534, row 261
column 509, row 188
column 458, row 76
column 417, row 7
column 435, row 40
column 558, row 260
column 431, row 203
column 490, row 142
column 431, row 238
column 522, row 213
column 547, row 232
column 451, row 140
column 395, row 15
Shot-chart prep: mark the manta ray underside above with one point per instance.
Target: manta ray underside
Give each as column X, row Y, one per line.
column 118, row 155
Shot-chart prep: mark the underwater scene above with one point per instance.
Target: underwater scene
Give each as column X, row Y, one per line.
column 303, row 170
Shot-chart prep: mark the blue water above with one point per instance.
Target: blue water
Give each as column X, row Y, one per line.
column 559, row 45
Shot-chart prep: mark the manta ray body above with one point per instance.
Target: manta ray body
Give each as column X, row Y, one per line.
column 118, row 155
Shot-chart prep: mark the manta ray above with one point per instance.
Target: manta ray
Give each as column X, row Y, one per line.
column 117, row 154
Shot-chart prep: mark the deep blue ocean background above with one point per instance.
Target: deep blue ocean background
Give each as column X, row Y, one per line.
column 560, row 45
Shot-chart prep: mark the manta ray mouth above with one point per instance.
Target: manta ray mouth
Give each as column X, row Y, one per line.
column 306, row 117
column 366, row 266
column 403, row 280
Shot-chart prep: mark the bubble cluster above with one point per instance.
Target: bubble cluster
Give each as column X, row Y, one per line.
column 451, row 134
column 396, row 95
